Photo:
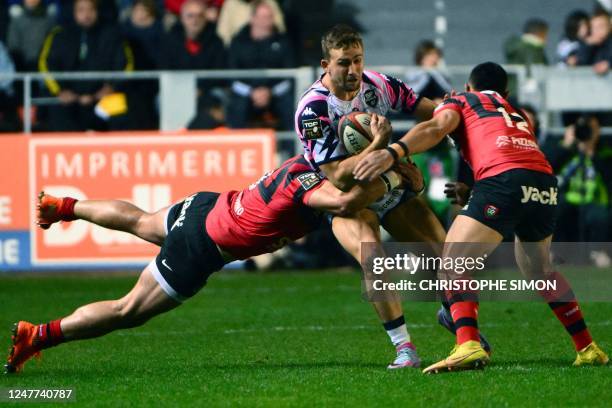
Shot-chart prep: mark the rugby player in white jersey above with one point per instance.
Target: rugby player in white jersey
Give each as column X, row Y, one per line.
column 345, row 87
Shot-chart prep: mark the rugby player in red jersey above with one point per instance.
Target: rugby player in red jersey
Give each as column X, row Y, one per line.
column 197, row 237
column 514, row 192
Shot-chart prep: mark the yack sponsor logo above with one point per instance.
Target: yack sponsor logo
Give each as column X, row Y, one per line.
column 547, row 197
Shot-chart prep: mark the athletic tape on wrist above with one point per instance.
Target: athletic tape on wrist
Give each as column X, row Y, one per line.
column 404, row 147
column 393, row 153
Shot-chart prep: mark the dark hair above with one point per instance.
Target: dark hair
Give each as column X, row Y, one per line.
column 535, row 26
column 340, row 36
column 489, row 76
column 149, row 5
column 423, row 48
column 599, row 11
column 94, row 2
column 572, row 23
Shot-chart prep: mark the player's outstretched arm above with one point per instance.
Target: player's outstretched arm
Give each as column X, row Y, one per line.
column 333, row 200
column 420, row 138
column 340, row 173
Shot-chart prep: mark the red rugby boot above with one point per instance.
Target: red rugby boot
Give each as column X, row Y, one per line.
column 25, row 346
column 50, row 210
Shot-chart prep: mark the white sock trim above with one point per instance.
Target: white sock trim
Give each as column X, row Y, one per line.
column 399, row 335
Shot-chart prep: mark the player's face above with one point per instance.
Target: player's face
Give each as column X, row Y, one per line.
column 345, row 67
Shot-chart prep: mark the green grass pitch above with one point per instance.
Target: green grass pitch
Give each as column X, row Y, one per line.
column 297, row 339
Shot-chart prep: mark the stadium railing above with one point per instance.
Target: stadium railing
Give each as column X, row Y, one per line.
column 549, row 89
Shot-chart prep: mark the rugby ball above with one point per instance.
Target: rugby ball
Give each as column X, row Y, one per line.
column 354, row 131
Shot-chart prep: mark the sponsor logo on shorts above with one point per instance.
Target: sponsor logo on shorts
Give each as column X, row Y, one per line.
column 179, row 221
column 166, row 264
column 516, row 142
column 546, row 197
column 491, row 211
column 312, row 129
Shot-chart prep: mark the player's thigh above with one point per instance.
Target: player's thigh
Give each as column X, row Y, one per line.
column 414, row 221
column 147, row 298
column 469, row 238
column 154, row 226
column 533, row 258
column 352, row 230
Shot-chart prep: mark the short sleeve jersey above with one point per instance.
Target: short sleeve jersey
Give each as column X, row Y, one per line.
column 319, row 111
column 267, row 215
column 493, row 137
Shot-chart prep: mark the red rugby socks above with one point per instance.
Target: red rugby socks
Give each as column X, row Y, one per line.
column 49, row 334
column 66, row 209
column 465, row 316
column 563, row 303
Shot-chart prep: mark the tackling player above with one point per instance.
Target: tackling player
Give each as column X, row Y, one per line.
column 197, row 237
column 500, row 147
column 346, row 87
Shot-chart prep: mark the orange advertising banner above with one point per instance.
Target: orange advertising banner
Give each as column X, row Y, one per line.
column 150, row 170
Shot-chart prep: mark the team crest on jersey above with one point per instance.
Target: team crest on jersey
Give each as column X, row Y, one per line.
column 370, row 98
column 308, row 180
column 491, row 211
column 312, row 129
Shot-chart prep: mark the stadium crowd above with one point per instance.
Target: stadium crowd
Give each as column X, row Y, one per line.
column 125, row 35
column 108, row 35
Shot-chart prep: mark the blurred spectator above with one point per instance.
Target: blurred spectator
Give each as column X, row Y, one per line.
column 193, row 44
column 235, row 14
column 108, row 13
column 576, row 32
column 430, row 82
column 84, row 46
column 9, row 121
column 124, row 8
column 210, row 115
column 173, row 9
column 28, row 28
column 597, row 47
column 143, row 31
column 529, row 48
column 260, row 45
column 584, row 170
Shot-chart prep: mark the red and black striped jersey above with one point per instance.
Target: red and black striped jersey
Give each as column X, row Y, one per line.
column 493, row 137
column 268, row 214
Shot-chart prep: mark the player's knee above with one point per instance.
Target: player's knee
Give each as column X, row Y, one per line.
column 129, row 313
